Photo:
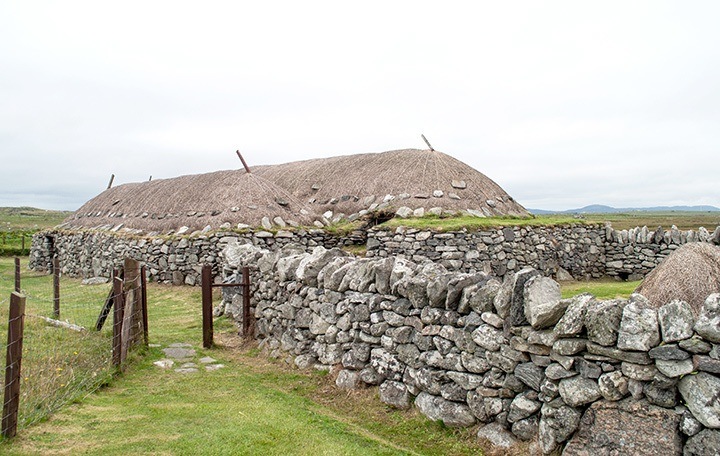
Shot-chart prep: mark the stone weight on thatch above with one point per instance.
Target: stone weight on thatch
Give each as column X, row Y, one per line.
column 691, row 273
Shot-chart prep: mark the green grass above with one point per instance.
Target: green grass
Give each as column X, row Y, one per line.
column 252, row 406
column 17, row 223
column 683, row 220
column 58, row 365
column 471, row 223
column 601, row 289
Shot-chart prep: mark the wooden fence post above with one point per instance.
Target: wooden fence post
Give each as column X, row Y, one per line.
column 17, row 274
column 143, row 304
column 11, row 403
column 206, row 282
column 246, row 300
column 118, row 308
column 56, row 287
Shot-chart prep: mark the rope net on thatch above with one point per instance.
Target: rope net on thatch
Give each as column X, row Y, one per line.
column 301, row 192
column 691, row 273
column 352, row 183
column 193, row 201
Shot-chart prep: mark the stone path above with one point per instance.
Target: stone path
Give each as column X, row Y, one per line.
column 184, row 356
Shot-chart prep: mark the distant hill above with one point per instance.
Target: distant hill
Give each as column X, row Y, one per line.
column 601, row 209
column 30, row 218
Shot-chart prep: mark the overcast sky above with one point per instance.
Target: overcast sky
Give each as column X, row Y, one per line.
column 562, row 103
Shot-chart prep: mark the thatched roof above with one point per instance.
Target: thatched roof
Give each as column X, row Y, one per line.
column 691, row 273
column 351, row 183
column 301, row 192
column 193, row 201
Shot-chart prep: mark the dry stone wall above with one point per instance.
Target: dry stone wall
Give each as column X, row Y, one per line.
column 177, row 260
column 511, row 357
column 583, row 251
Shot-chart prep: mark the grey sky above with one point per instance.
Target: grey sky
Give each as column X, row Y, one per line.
column 562, row 103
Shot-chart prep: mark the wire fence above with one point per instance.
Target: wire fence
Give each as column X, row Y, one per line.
column 64, row 357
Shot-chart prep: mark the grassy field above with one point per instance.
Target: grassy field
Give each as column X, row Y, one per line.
column 17, row 225
column 683, row 220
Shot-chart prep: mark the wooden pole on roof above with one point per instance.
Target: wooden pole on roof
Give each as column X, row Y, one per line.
column 112, row 178
column 247, row 168
column 427, row 142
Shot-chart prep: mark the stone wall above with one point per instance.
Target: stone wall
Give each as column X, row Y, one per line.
column 584, row 251
column 177, row 260
column 511, row 357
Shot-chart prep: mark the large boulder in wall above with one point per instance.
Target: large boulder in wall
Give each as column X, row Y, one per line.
column 626, row 427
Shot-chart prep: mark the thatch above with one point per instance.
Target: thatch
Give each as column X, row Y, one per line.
column 193, row 201
column 351, row 183
column 300, row 192
column 691, row 273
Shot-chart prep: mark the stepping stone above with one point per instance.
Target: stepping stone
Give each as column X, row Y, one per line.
column 154, row 345
column 207, row 360
column 164, row 363
column 188, row 366
column 180, row 345
column 186, row 370
column 178, row 352
column 214, row 367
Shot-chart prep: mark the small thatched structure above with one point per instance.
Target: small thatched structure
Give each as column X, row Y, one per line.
column 194, row 201
column 691, row 273
column 412, row 178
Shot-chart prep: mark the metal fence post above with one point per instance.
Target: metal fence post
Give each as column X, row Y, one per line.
column 56, row 287
column 246, row 300
column 143, row 304
column 118, row 310
column 16, row 325
column 17, row 274
column 206, row 282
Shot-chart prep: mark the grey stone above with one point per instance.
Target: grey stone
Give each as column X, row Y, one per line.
column 689, row 425
column 695, row 345
column 602, row 321
column 497, row 435
column 466, row 381
column 568, row 347
column 577, row 391
column 522, row 407
column 613, row 385
column 542, row 304
column 657, row 395
column 676, row 321
column 626, row 427
column 557, row 424
column 706, row 364
column 556, row 372
column 571, row 323
column 488, row 337
column 669, row 352
column 395, row 394
column 638, row 327
column 674, row 368
column 516, row 315
column 530, row 374
column 526, row 429
column 178, row 352
column 704, row 443
column 701, row 393
column 639, row 372
column 348, row 379
column 708, row 322
column 492, row 319
column 386, row 364
column 631, row 357
column 452, row 414
column 305, row 361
